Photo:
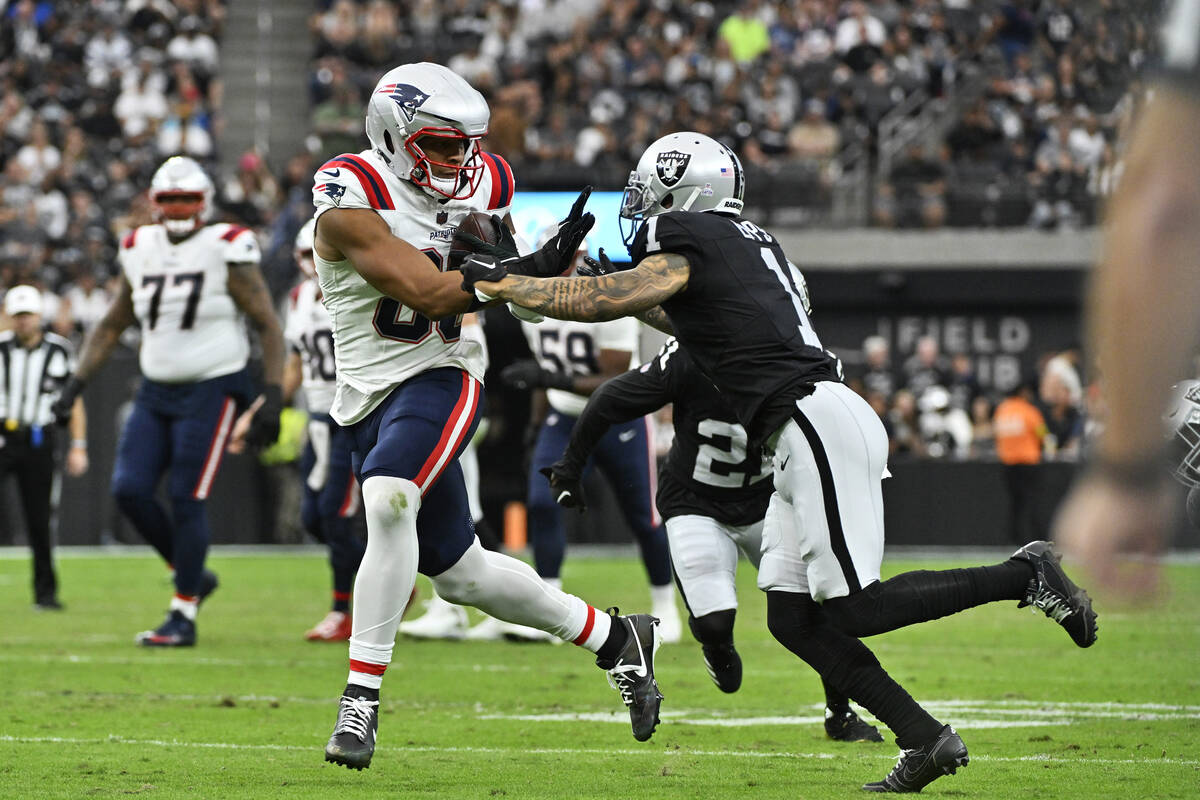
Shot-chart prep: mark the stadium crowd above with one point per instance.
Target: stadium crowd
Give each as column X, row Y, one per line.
column 579, row 88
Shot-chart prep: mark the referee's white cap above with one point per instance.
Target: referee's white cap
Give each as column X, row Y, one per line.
column 23, row 300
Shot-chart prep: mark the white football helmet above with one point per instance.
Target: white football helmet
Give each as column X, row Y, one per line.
column 1183, row 432
column 417, row 100
column 303, row 248
column 181, row 194
column 685, row 171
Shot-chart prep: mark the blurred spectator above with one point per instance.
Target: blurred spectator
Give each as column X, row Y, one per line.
column 964, row 384
column 1062, row 394
column 905, row 425
column 859, row 37
column 251, row 195
column 814, row 138
column 877, row 373
column 945, row 430
column 1019, row 430
column 925, row 367
column 40, row 157
column 915, row 192
column 745, row 32
column 338, row 121
column 983, row 433
column 88, row 300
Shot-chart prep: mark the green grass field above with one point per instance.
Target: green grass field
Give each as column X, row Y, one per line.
column 84, row 713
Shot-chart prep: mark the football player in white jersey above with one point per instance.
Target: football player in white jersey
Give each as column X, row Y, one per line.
column 189, row 285
column 331, row 496
column 571, row 360
column 408, row 387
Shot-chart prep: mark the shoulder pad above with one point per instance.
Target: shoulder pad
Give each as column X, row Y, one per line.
column 241, row 245
column 350, row 181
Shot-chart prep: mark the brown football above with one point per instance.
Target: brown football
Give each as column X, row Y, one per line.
column 479, row 224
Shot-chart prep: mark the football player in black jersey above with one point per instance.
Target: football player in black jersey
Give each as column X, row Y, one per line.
column 713, row 493
column 724, row 287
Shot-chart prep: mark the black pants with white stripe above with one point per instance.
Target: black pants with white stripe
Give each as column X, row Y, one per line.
column 34, row 467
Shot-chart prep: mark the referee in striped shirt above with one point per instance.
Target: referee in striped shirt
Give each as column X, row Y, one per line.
column 33, row 367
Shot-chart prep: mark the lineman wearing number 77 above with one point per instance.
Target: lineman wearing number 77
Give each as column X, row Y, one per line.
column 188, row 285
column 724, row 287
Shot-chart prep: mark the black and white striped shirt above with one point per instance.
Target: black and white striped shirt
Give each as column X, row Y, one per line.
column 30, row 380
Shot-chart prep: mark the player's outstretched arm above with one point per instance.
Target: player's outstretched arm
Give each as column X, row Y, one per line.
column 100, row 342
column 249, row 291
column 391, row 265
column 622, row 294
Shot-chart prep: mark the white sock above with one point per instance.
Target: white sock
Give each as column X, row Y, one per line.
column 509, row 589
column 185, row 605
column 385, row 577
column 661, row 596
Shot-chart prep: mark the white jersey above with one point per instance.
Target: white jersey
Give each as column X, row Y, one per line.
column 379, row 342
column 310, row 334
column 574, row 347
column 191, row 328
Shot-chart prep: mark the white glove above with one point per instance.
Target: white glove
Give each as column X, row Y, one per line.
column 523, row 314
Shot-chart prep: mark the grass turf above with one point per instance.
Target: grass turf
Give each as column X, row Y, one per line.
column 85, row 713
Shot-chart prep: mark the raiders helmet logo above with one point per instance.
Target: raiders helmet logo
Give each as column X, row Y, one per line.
column 671, row 165
column 407, row 96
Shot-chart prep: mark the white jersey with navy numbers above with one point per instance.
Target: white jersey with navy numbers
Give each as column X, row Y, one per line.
column 379, row 342
column 192, row 330
column 310, row 334
column 574, row 347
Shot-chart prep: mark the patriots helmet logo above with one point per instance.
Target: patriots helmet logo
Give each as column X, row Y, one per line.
column 407, row 96
column 333, row 190
column 671, row 165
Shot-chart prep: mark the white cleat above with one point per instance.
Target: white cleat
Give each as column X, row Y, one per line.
column 490, row 630
column 441, row 620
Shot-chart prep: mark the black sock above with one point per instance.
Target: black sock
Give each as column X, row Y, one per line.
column 835, row 699
column 618, row 635
column 365, row 692
column 798, row 623
column 925, row 595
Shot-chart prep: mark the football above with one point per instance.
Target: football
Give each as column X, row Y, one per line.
column 479, row 224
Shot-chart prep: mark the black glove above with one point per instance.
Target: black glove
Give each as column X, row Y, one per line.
column 529, row 374
column 65, row 404
column 464, row 244
column 594, row 268
column 565, row 488
column 480, row 268
column 264, row 428
column 556, row 255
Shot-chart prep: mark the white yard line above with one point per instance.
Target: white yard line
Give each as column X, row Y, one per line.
column 590, row 751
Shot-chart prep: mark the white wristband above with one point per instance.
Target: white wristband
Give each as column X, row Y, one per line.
column 80, row 444
column 483, row 298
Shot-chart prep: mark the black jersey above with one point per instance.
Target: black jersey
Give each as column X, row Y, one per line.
column 710, row 470
column 742, row 315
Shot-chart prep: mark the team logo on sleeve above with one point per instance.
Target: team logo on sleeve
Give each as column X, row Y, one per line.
column 671, row 165
column 334, row 191
column 407, row 96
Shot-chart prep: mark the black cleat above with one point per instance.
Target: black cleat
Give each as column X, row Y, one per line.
column 176, row 631
column 921, row 766
column 724, row 666
column 208, row 585
column 632, row 672
column 353, row 741
column 1057, row 595
column 846, row 726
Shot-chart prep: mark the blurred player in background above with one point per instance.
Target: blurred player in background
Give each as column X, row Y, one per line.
column 713, row 492
column 571, row 360
column 409, row 386
column 1143, row 323
column 331, row 496
column 724, row 286
column 189, row 286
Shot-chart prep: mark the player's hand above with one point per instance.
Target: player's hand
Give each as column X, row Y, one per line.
column 65, row 404
column 556, row 256
column 264, row 427
column 237, row 438
column 1117, row 533
column 481, row 269
column 77, row 461
column 528, row 374
column 565, row 488
column 595, row 267
column 464, row 244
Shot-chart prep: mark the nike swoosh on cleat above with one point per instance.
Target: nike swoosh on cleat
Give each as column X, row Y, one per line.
column 641, row 670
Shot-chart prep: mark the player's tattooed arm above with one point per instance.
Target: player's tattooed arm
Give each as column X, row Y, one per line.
column 249, row 291
column 621, row 294
column 657, row 318
column 104, row 337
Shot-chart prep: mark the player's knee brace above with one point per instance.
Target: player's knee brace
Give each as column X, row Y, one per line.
column 391, row 506
column 715, row 628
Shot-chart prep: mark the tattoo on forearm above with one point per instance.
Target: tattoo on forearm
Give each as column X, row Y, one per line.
column 607, row 297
